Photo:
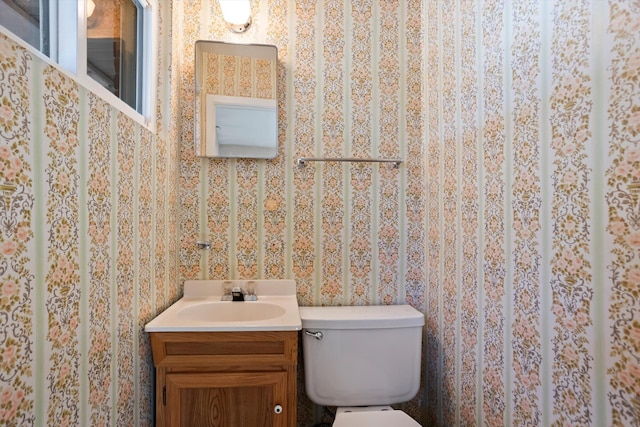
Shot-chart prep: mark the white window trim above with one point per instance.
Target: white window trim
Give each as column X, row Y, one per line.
column 72, row 61
column 77, row 65
column 67, row 33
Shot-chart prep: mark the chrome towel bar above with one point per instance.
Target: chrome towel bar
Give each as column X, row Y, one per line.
column 302, row 161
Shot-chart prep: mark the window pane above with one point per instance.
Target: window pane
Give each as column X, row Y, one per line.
column 112, row 47
column 27, row 20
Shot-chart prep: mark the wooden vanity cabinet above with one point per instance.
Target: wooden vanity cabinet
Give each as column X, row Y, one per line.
column 225, row 379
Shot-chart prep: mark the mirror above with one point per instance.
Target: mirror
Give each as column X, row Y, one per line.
column 236, row 107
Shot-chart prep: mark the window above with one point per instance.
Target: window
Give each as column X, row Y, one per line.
column 27, row 20
column 103, row 41
column 114, row 32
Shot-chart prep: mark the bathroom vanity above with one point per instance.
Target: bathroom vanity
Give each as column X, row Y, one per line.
column 227, row 363
column 225, row 378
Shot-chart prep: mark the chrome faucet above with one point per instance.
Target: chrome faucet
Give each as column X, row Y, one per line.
column 232, row 291
column 237, row 294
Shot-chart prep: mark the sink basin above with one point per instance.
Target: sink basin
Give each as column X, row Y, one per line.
column 225, row 311
column 201, row 309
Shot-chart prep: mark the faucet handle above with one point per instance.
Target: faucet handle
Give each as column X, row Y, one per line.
column 250, row 293
column 227, row 286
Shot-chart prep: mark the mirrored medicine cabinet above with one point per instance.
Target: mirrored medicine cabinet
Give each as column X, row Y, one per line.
column 236, row 108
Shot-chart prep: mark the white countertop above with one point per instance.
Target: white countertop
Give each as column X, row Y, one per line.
column 201, row 310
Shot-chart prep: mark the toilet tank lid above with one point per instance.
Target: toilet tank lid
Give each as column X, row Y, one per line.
column 361, row 317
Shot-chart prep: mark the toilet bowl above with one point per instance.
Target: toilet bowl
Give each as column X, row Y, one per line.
column 373, row 416
column 362, row 360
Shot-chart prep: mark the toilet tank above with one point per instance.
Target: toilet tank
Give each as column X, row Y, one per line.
column 361, row 355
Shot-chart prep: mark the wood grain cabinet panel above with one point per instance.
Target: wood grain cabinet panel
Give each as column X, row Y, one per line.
column 225, row 379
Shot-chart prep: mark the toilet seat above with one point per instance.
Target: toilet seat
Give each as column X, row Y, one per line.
column 380, row 416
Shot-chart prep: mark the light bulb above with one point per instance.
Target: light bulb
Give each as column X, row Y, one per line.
column 237, row 14
column 91, row 7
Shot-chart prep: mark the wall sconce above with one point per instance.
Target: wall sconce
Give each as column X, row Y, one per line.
column 237, row 14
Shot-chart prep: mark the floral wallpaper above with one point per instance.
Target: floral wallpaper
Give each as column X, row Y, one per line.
column 571, row 176
column 88, row 252
column 518, row 133
column 526, row 212
column 17, row 239
column 512, row 222
column 549, row 91
column 235, row 75
column 492, row 142
column 99, row 208
column 62, row 268
column 623, row 225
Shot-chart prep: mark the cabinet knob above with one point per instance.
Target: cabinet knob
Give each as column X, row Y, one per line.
column 277, row 409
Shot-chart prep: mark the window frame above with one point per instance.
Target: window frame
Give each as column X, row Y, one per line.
column 147, row 42
column 67, row 22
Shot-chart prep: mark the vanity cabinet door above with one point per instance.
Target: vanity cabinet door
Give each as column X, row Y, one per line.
column 238, row 399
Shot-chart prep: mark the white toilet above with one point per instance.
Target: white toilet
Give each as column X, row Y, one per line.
column 363, row 359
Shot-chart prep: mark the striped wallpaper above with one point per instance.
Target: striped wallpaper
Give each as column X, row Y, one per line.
column 513, row 223
column 88, row 232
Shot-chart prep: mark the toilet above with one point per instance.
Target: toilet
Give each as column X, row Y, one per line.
column 362, row 359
